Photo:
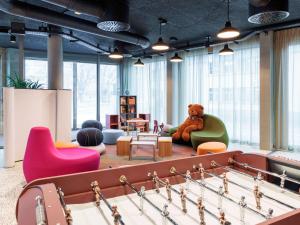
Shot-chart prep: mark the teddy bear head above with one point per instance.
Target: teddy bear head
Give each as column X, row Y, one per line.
column 196, row 110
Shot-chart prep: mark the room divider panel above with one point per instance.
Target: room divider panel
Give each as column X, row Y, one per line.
column 27, row 108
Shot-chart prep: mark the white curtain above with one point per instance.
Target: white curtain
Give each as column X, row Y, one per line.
column 227, row 87
column 148, row 83
column 287, row 70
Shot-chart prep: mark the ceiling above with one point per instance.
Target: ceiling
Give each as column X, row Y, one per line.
column 189, row 21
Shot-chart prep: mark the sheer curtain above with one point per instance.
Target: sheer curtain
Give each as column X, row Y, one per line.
column 287, row 79
column 227, row 86
column 148, row 83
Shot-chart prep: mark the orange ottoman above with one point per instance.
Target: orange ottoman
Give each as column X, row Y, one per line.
column 211, row 147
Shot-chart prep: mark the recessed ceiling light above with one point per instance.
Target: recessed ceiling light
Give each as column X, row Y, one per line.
column 176, row 58
column 226, row 50
column 77, row 13
column 116, row 54
column 228, row 31
column 139, row 63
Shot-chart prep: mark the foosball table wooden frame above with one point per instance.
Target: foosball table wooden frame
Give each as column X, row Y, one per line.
column 40, row 198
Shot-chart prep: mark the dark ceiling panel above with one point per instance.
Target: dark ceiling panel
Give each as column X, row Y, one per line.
column 188, row 20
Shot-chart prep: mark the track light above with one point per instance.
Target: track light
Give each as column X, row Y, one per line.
column 226, row 50
column 176, row 58
column 228, row 31
column 160, row 45
column 138, row 63
column 13, row 39
column 116, row 54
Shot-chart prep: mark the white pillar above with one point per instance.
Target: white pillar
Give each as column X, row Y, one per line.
column 266, row 87
column 21, row 57
column 55, row 62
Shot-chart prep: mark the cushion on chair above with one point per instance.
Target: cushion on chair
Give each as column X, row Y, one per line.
column 92, row 124
column 63, row 144
column 110, row 136
column 89, row 137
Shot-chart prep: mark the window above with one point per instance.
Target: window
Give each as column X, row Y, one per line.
column 109, row 90
column 37, row 70
column 227, row 87
column 149, row 85
column 68, row 84
column 86, row 92
column 293, row 96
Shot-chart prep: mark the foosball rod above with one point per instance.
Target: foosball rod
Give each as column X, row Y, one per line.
column 246, row 188
column 96, row 190
column 247, row 166
column 177, row 192
column 67, row 211
column 173, row 170
column 124, row 181
column 248, row 175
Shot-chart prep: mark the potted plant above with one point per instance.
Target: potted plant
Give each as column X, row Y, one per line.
column 19, row 83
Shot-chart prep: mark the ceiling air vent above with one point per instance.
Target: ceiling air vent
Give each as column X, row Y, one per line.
column 116, row 17
column 268, row 11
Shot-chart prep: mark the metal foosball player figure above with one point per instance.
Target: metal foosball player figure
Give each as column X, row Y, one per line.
column 187, row 179
column 116, row 215
column 225, row 182
column 96, row 190
column 201, row 209
column 142, row 195
column 258, row 196
column 165, row 213
column 156, row 181
column 270, row 214
column 282, row 180
column 183, row 199
column 201, row 170
column 67, row 211
column 222, row 218
column 220, row 197
column 168, row 189
column 243, row 205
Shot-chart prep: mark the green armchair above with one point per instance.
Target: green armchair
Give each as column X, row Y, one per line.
column 214, row 130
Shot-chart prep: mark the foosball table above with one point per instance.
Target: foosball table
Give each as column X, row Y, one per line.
column 226, row 188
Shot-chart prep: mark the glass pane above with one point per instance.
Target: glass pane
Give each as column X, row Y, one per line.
column 68, row 81
column 293, row 95
column 108, row 91
column 86, row 92
column 37, row 70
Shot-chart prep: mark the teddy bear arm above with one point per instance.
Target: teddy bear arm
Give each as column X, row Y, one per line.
column 192, row 128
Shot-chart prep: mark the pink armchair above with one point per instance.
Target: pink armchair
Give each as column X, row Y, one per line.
column 42, row 159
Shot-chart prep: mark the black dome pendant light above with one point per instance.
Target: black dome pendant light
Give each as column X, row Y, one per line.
column 176, row 58
column 226, row 51
column 116, row 54
column 138, row 63
column 160, row 45
column 228, row 31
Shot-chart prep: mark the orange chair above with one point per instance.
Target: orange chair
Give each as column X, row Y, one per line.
column 211, row 147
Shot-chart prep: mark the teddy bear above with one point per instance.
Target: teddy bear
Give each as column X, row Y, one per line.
column 192, row 123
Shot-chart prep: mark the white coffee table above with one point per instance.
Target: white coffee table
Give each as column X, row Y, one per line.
column 155, row 135
column 151, row 144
